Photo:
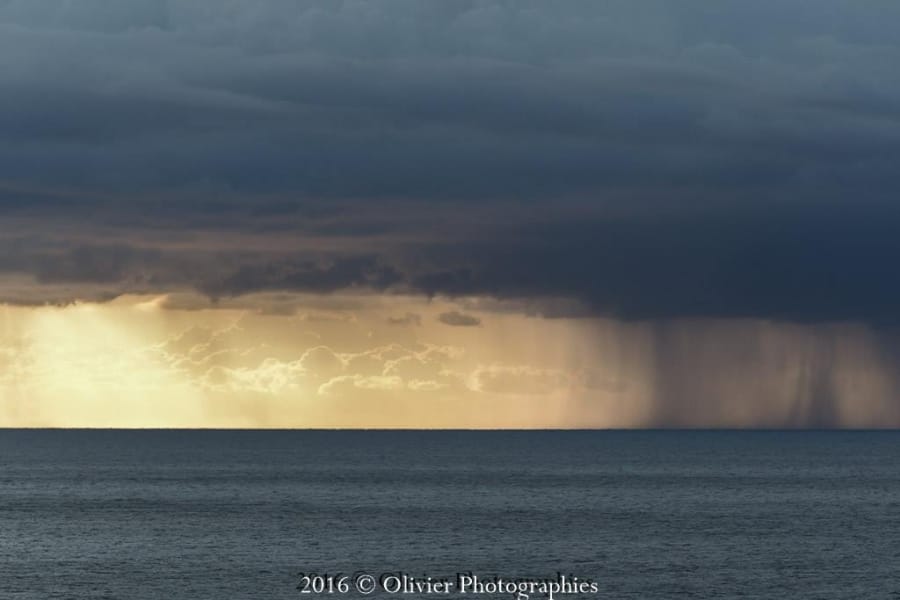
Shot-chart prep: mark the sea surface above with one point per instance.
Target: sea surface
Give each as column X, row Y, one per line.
column 195, row 515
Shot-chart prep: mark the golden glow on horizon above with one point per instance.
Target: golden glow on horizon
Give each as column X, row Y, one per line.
column 139, row 362
column 371, row 361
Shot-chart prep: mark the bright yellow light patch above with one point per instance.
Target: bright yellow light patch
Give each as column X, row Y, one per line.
column 372, row 361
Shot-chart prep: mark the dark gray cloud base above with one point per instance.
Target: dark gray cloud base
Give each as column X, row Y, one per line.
column 650, row 159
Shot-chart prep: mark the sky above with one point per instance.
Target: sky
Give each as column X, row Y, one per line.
column 489, row 214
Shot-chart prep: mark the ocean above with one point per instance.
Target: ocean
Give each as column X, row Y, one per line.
column 195, row 515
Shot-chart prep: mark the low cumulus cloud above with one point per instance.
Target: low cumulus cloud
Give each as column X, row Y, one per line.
column 230, row 361
column 455, row 318
column 407, row 319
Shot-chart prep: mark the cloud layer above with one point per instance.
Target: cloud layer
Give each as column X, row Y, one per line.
column 644, row 159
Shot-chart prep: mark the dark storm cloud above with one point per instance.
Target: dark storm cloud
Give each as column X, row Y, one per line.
column 828, row 263
column 647, row 159
column 308, row 276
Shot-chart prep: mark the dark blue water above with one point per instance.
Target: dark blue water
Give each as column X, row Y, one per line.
column 231, row 515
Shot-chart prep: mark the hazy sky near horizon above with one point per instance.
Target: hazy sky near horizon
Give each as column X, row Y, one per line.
column 621, row 213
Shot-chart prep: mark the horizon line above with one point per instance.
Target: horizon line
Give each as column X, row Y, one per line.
column 475, row 429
